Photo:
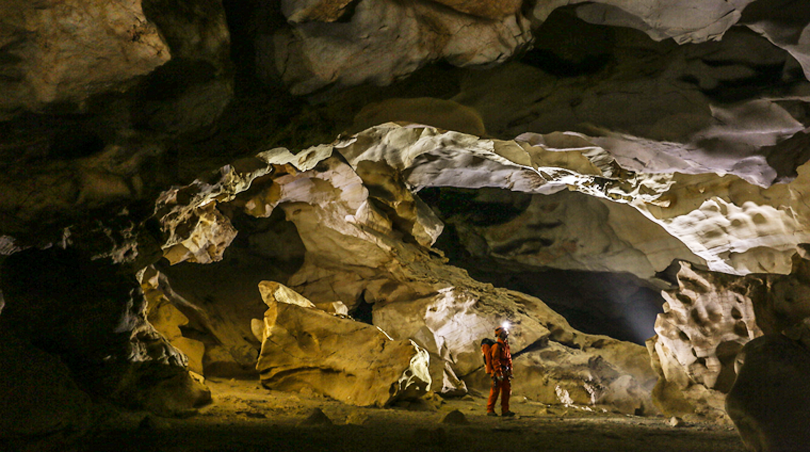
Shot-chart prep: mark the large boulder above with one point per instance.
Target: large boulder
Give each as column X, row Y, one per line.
column 707, row 321
column 356, row 363
column 311, row 55
column 65, row 52
column 770, row 401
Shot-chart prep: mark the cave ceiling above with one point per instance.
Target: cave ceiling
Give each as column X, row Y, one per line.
column 693, row 115
column 424, row 166
column 687, row 118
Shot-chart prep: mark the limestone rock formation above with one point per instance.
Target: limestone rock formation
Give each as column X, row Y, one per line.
column 313, row 55
column 683, row 127
column 706, row 321
column 565, row 230
column 303, row 347
column 190, row 92
column 168, row 319
column 785, row 302
column 684, row 22
column 420, row 297
column 206, row 313
column 760, row 238
column 784, row 24
column 768, row 402
column 64, row 52
column 118, row 355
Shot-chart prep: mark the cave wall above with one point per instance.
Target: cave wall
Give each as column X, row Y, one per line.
column 137, row 134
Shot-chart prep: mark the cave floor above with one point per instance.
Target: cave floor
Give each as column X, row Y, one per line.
column 245, row 417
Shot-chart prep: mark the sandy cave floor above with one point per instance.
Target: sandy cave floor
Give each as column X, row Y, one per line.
column 244, row 417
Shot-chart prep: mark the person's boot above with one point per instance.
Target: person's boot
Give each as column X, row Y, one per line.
column 508, row 414
column 492, row 413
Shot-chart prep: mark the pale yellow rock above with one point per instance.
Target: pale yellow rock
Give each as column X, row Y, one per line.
column 706, row 321
column 274, row 292
column 356, row 363
column 167, row 320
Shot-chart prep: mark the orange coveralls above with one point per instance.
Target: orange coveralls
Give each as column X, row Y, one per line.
column 501, row 366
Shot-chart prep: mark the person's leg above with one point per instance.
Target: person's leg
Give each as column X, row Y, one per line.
column 494, row 390
column 506, row 388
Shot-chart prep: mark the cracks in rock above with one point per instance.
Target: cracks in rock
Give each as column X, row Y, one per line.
column 539, row 344
column 347, row 12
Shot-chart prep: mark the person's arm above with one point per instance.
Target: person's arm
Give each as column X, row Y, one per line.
column 497, row 366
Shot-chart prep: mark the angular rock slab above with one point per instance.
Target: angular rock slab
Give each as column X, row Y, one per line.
column 68, row 51
column 349, row 361
column 770, row 401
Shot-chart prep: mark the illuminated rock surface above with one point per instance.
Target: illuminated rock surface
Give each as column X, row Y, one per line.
column 303, row 347
column 65, row 52
column 707, row 321
column 418, row 296
column 432, row 168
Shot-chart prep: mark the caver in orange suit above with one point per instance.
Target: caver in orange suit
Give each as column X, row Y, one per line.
column 501, row 374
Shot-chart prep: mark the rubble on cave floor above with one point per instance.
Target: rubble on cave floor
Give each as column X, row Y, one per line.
column 246, row 417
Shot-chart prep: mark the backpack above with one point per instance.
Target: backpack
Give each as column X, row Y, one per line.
column 486, row 352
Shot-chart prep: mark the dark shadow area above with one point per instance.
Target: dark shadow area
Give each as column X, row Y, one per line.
column 619, row 305
column 729, row 91
column 558, row 66
column 455, row 201
column 615, row 305
column 363, row 312
column 566, row 46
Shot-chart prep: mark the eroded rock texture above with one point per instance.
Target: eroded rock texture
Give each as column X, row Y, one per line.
column 605, row 138
column 64, row 52
column 304, row 347
column 768, row 402
column 708, row 320
column 380, row 41
column 91, row 320
column 734, row 226
column 418, row 296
